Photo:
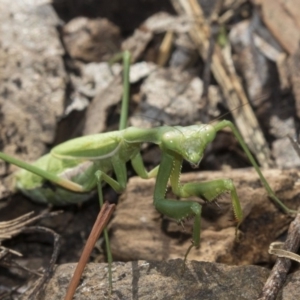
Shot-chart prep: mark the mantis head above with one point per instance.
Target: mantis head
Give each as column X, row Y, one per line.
column 189, row 142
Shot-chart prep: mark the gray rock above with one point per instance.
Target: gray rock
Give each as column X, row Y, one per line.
column 32, row 76
column 162, row 280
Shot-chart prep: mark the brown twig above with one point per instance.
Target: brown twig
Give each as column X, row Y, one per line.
column 282, row 265
column 214, row 26
column 48, row 272
column 11, row 228
column 38, row 288
column 101, row 222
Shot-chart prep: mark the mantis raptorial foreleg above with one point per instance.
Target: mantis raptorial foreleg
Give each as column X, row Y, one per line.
column 170, row 167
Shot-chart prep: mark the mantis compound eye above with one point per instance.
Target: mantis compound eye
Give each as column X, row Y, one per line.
column 207, row 133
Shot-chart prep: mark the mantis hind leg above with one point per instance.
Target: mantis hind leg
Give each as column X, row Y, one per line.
column 265, row 183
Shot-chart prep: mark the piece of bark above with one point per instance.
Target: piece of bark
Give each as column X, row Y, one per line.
column 294, row 66
column 97, row 110
column 91, row 39
column 138, row 231
column 282, row 19
column 137, row 43
column 250, row 61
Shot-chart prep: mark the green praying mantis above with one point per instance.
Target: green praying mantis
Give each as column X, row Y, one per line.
column 77, row 167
